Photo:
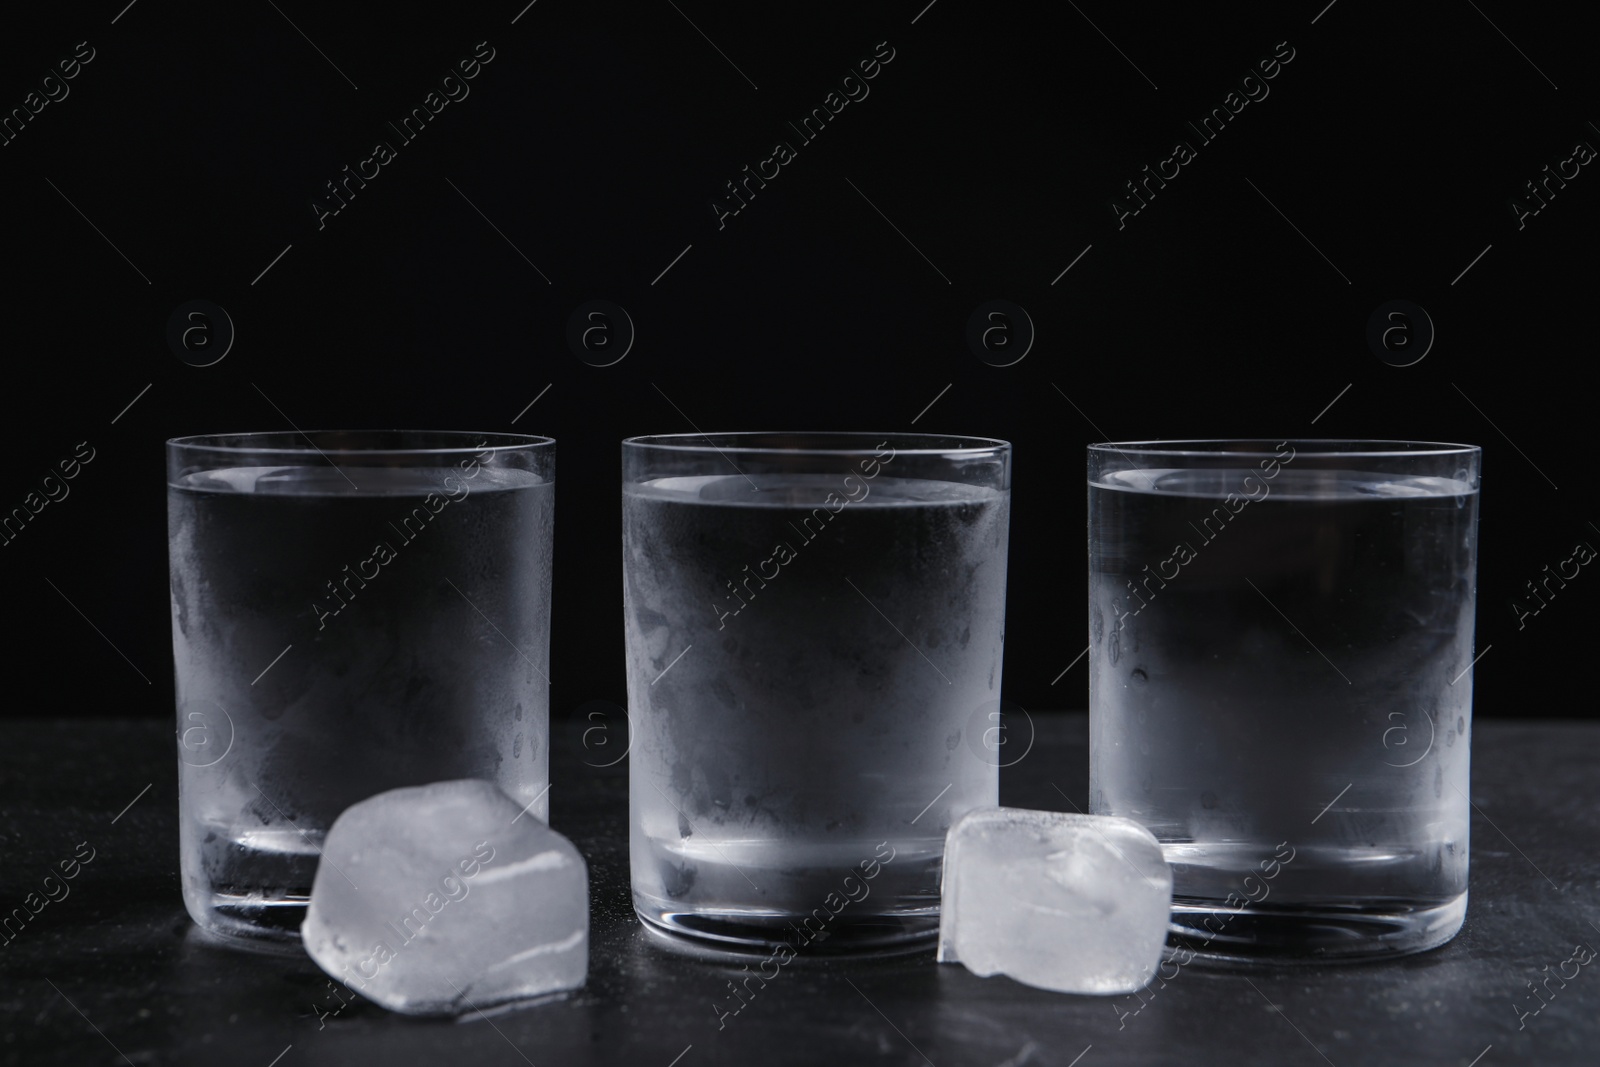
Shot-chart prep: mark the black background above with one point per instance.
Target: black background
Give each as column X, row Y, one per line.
column 995, row 141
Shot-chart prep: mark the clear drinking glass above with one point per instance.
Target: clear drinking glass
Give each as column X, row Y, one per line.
column 814, row 628
column 351, row 612
column 1280, row 685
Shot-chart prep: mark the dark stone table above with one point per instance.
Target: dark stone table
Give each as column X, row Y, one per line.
column 114, row 972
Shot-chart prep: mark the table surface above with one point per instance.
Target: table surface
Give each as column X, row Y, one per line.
column 116, row 973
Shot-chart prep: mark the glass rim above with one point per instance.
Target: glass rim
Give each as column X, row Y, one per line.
column 1337, row 447
column 703, row 442
column 240, row 443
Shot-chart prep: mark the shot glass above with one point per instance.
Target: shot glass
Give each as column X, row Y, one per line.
column 814, row 629
column 351, row 612
column 1280, row 685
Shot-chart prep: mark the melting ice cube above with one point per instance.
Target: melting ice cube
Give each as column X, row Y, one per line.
column 1071, row 903
column 442, row 898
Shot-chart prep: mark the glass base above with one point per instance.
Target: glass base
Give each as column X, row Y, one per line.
column 1291, row 934
column 250, row 918
column 725, row 931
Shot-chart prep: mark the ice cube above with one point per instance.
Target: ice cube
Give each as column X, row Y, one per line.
column 1071, row 903
column 442, row 898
